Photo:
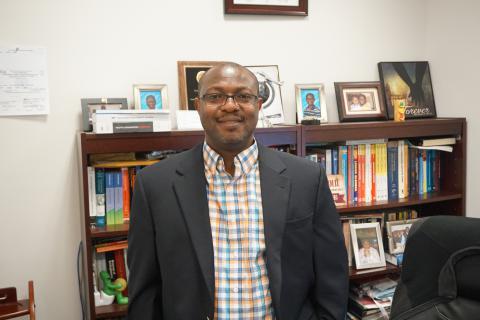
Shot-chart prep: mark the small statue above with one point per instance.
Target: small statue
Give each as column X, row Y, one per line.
column 111, row 290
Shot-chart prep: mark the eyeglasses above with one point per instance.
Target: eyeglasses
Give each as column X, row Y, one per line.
column 219, row 99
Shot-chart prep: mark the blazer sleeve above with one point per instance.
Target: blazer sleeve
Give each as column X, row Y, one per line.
column 145, row 283
column 330, row 257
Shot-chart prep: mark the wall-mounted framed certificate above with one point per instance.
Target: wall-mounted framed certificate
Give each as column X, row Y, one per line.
column 281, row 7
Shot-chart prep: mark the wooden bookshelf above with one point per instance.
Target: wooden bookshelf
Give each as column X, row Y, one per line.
column 449, row 200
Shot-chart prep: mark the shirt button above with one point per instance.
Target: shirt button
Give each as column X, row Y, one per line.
column 235, row 254
column 235, row 289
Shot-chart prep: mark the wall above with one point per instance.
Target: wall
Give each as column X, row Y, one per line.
column 101, row 48
column 453, row 49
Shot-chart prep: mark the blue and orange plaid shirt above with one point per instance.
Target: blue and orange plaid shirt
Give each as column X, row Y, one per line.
column 236, row 218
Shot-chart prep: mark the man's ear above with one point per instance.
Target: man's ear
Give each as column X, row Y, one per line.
column 259, row 103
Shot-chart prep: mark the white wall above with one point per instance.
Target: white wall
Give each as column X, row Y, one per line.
column 101, row 48
column 452, row 46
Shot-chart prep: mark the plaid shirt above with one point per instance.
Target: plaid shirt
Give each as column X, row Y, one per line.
column 236, row 218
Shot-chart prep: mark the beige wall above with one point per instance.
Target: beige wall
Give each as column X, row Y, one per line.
column 101, row 48
column 452, row 46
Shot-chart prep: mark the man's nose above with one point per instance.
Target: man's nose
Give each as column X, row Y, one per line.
column 230, row 105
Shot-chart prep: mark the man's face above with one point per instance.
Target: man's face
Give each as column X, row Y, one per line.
column 355, row 100
column 310, row 100
column 229, row 127
column 151, row 103
column 366, row 244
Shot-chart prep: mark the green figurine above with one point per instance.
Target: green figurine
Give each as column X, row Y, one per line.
column 115, row 288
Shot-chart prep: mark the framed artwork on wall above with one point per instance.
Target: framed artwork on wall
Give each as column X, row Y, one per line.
column 150, row 96
column 189, row 73
column 409, row 83
column 360, row 101
column 277, row 7
column 311, row 102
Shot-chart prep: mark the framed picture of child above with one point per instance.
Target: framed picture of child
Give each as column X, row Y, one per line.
column 367, row 245
column 360, row 101
column 150, row 96
column 311, row 102
column 397, row 232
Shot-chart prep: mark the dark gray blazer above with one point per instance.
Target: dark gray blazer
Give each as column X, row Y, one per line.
column 170, row 253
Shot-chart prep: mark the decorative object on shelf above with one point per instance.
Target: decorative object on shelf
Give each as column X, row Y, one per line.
column 150, row 96
column 189, row 73
column 188, row 120
column 397, row 233
column 122, row 121
column 89, row 106
column 367, row 245
column 270, row 92
column 360, row 101
column 112, row 289
column 311, row 103
column 277, row 7
column 410, row 83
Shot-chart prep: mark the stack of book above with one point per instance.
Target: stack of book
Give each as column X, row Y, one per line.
column 377, row 170
column 371, row 300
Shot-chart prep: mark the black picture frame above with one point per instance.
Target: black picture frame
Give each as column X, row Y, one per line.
column 373, row 108
column 89, row 105
column 300, row 10
column 400, row 83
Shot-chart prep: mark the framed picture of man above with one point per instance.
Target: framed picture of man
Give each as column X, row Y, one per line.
column 89, row 106
column 311, row 102
column 277, row 7
column 410, row 83
column 150, row 96
column 360, row 101
column 189, row 74
column 397, row 233
column 367, row 245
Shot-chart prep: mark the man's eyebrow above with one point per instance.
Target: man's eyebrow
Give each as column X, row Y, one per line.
column 222, row 89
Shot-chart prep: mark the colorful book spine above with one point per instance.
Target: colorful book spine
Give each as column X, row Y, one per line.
column 373, row 161
column 100, row 197
column 351, row 174
column 406, row 182
column 401, row 172
column 392, row 156
column 120, row 267
column 424, row 178
column 361, row 173
column 368, row 173
column 436, row 172
column 110, row 197
column 335, row 160
column 126, row 194
column 92, row 207
column 420, row 172
column 118, row 197
column 343, row 157
column 355, row 176
column 328, row 161
column 111, row 268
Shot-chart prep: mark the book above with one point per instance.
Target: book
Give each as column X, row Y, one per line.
column 368, row 173
column 437, row 142
column 392, row 156
column 355, row 174
column 328, row 161
column 401, row 172
column 110, row 197
column 110, row 262
column 336, row 184
column 361, row 173
column 120, row 267
column 100, row 197
column 335, row 160
column 343, row 167
column 126, row 194
column 92, row 205
column 118, row 218
column 395, row 259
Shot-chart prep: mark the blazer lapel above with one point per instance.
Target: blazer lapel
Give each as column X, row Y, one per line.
column 190, row 189
column 275, row 194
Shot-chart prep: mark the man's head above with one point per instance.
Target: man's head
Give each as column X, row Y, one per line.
column 310, row 99
column 151, row 102
column 229, row 126
column 354, row 100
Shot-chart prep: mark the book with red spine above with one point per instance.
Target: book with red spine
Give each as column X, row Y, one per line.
column 120, row 267
column 126, row 195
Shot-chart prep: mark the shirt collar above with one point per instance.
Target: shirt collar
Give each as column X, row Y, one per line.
column 245, row 160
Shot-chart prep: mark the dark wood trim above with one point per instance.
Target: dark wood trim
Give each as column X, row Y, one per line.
column 110, row 311
column 368, row 273
column 300, row 10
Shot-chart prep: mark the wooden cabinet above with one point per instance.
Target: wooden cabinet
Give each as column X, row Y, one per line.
column 450, row 200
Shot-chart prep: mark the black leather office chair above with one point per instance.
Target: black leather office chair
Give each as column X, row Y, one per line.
column 441, row 271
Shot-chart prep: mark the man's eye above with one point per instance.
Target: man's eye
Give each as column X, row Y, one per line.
column 215, row 96
column 243, row 97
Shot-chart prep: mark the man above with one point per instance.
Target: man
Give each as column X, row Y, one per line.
column 151, row 102
column 311, row 110
column 368, row 254
column 231, row 229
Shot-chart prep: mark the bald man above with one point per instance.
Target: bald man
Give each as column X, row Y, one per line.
column 231, row 229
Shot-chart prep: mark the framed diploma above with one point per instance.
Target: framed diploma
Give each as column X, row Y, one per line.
column 281, row 7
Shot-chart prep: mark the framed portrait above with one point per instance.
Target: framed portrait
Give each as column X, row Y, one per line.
column 360, row 101
column 189, row 74
column 367, row 245
column 397, row 233
column 277, row 7
column 410, row 83
column 311, row 102
column 270, row 91
column 89, row 106
column 150, row 96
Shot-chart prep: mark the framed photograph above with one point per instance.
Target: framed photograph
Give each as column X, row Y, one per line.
column 89, row 106
column 270, row 91
column 360, row 101
column 367, row 245
column 277, row 7
column 397, row 233
column 189, row 73
column 410, row 83
column 311, row 102
column 150, row 96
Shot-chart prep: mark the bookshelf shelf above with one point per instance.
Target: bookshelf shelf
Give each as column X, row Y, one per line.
column 410, row 201
column 115, row 230
column 111, row 311
column 368, row 273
